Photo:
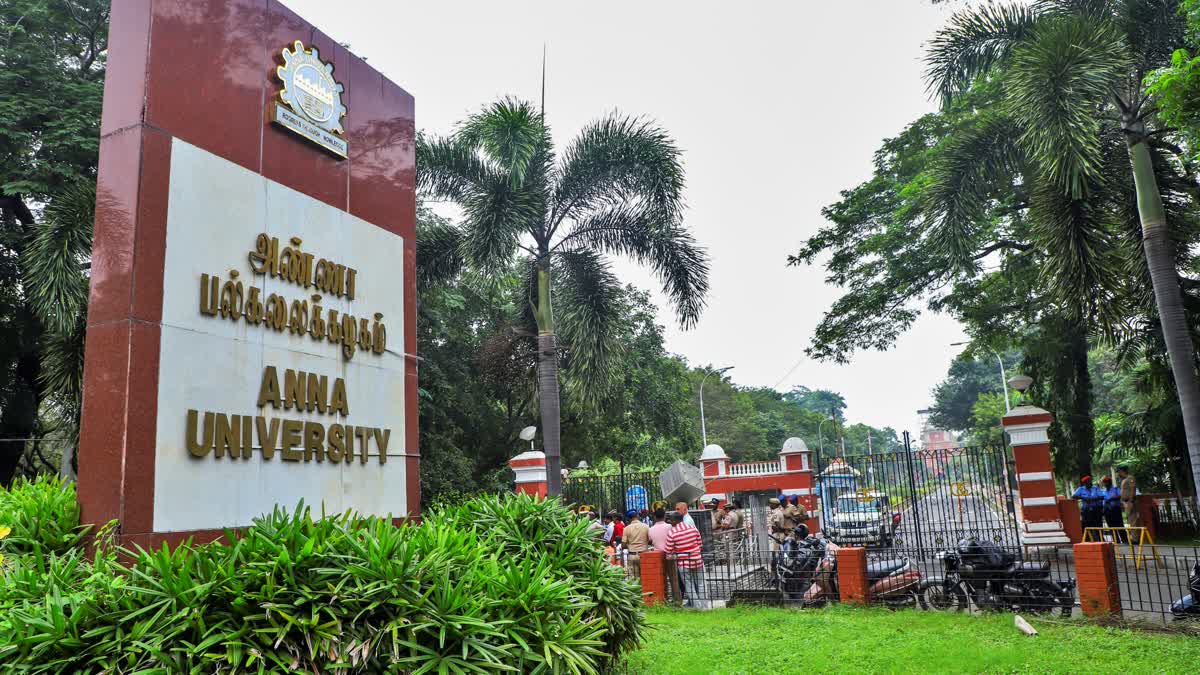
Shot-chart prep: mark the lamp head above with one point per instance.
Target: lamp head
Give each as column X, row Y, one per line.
column 528, row 433
column 1021, row 383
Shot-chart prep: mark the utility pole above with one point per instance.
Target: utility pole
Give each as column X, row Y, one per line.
column 703, row 429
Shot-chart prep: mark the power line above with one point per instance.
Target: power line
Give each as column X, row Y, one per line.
column 789, row 372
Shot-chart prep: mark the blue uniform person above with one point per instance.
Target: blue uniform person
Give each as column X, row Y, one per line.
column 1112, row 506
column 1091, row 503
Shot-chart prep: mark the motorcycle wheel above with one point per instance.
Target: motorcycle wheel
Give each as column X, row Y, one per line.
column 1050, row 598
column 940, row 598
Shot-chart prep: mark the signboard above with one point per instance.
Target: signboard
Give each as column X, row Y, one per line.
column 250, row 327
column 636, row 498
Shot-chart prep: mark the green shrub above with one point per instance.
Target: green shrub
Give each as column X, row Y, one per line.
column 43, row 515
column 512, row 584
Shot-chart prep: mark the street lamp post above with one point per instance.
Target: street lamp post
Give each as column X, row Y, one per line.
column 820, row 438
column 1003, row 376
column 703, row 429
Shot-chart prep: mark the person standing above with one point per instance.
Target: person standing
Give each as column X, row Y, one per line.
column 637, row 535
column 1112, row 508
column 683, row 544
column 799, row 513
column 682, row 509
column 1129, row 497
column 790, row 515
column 1091, row 504
column 658, row 531
column 718, row 515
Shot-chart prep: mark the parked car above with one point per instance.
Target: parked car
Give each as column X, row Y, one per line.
column 864, row 519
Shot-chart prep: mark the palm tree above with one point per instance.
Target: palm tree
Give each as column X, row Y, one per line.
column 616, row 190
column 54, row 261
column 1067, row 68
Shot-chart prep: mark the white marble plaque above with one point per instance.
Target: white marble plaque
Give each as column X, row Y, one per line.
column 215, row 364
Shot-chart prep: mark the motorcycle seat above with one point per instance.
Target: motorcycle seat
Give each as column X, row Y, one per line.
column 1043, row 566
column 884, row 567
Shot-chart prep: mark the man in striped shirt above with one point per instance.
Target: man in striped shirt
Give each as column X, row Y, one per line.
column 683, row 544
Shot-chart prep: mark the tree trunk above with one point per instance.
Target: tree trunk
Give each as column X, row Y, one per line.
column 548, row 381
column 1083, row 427
column 1160, row 258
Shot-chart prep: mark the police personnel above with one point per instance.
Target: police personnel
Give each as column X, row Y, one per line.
column 800, row 513
column 1129, row 497
column 790, row 514
column 1112, row 507
column 1091, row 503
column 775, row 522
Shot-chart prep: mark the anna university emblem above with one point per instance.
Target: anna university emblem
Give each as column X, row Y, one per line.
column 310, row 100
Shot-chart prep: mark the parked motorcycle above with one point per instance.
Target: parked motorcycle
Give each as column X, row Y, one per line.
column 981, row 572
column 796, row 562
column 1188, row 607
column 895, row 582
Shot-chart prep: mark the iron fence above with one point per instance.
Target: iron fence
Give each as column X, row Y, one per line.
column 611, row 492
column 1175, row 517
column 1155, row 580
column 917, row 499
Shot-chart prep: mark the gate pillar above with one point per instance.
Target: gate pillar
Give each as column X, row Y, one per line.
column 529, row 473
column 1041, row 524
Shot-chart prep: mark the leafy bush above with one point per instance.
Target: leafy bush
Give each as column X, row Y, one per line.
column 43, row 515
column 494, row 584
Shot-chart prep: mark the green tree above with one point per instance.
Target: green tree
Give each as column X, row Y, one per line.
column 52, row 57
column 968, row 378
column 616, row 190
column 1066, row 66
column 827, row 403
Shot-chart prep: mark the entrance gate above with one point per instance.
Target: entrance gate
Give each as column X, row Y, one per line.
column 919, row 500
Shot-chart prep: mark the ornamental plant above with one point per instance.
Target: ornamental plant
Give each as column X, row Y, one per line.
column 496, row 584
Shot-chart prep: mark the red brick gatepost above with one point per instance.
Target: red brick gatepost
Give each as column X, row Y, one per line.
column 852, row 575
column 529, row 473
column 654, row 577
column 1096, row 568
column 1041, row 521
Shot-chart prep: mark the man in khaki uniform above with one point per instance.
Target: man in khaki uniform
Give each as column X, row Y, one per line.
column 793, row 515
column 637, row 535
column 1129, row 497
column 799, row 512
column 776, row 523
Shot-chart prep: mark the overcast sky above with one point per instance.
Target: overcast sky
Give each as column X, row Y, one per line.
column 777, row 106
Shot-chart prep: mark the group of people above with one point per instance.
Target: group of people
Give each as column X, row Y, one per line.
column 626, row 536
column 1108, row 505
column 785, row 515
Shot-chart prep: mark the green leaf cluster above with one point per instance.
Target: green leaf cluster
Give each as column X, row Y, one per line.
column 44, row 516
column 508, row 584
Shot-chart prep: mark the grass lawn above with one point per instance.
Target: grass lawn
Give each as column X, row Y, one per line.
column 841, row 639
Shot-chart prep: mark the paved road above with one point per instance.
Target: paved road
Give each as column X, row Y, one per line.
column 944, row 518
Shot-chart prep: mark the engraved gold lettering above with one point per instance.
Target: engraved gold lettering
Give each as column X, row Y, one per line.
column 209, row 294
column 339, row 404
column 295, row 392
column 268, row 391
column 349, row 335
column 226, row 435
column 291, row 438
column 318, row 392
column 337, row 442
column 378, row 335
column 314, row 441
column 202, row 448
column 247, row 436
column 364, row 434
column 268, row 435
column 382, row 436
column 265, row 256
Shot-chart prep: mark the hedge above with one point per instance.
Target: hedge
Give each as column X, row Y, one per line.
column 510, row 584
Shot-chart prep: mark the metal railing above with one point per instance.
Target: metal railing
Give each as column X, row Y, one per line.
column 754, row 468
